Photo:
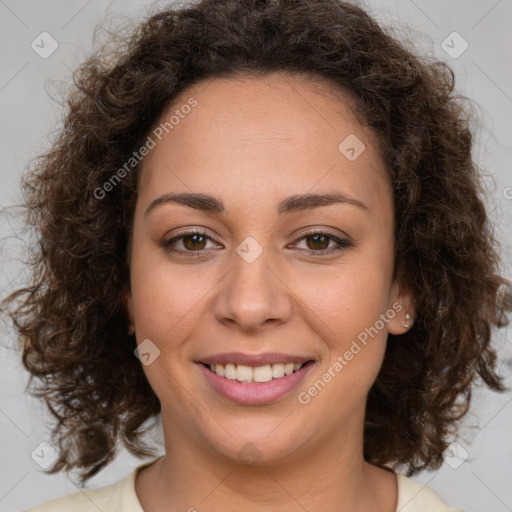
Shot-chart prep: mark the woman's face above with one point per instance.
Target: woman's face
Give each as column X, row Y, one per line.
column 277, row 274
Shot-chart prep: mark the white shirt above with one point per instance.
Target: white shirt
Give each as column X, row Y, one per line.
column 121, row 497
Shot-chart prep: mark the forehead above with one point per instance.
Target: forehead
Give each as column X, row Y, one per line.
column 258, row 134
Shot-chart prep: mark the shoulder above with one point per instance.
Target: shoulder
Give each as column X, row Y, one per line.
column 111, row 498
column 415, row 497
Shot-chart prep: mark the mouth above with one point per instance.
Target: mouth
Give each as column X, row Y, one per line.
column 253, row 374
column 255, row 385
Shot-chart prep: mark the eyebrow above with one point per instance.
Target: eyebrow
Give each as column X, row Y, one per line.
column 295, row 203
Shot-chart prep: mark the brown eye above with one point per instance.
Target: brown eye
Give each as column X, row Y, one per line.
column 318, row 241
column 194, row 242
column 191, row 243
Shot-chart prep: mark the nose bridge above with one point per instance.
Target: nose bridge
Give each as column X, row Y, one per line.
column 252, row 294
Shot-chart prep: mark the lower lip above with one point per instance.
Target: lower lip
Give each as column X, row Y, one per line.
column 255, row 393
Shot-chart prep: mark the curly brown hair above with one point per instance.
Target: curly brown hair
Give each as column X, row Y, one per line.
column 70, row 318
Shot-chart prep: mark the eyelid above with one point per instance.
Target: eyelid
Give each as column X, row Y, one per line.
column 188, row 232
column 342, row 243
column 324, row 231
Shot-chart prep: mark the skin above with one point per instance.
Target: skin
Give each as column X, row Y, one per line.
column 251, row 142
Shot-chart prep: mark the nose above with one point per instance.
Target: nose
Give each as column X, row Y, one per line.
column 253, row 295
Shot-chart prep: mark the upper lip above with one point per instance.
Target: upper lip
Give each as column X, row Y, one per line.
column 254, row 359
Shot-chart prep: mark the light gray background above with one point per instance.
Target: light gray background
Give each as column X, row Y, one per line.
column 481, row 483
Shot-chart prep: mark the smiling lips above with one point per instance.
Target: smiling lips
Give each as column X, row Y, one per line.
column 254, row 368
column 254, row 379
column 244, row 373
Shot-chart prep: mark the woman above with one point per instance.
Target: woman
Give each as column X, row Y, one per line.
column 261, row 221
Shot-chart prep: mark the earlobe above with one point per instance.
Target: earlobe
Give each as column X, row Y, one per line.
column 126, row 299
column 405, row 312
column 407, row 323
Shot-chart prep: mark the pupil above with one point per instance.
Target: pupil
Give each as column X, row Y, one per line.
column 195, row 239
column 318, row 239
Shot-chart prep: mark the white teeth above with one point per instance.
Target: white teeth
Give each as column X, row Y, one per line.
column 277, row 370
column 263, row 373
column 244, row 373
column 230, row 371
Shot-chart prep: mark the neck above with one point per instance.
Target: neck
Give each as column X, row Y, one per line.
column 330, row 476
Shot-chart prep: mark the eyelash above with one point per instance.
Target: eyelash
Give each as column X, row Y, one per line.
column 342, row 244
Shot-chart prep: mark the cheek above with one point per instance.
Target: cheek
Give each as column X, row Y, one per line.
column 167, row 297
column 345, row 310
column 345, row 301
column 167, row 306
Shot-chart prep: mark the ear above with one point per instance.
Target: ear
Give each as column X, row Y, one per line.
column 402, row 303
column 126, row 299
